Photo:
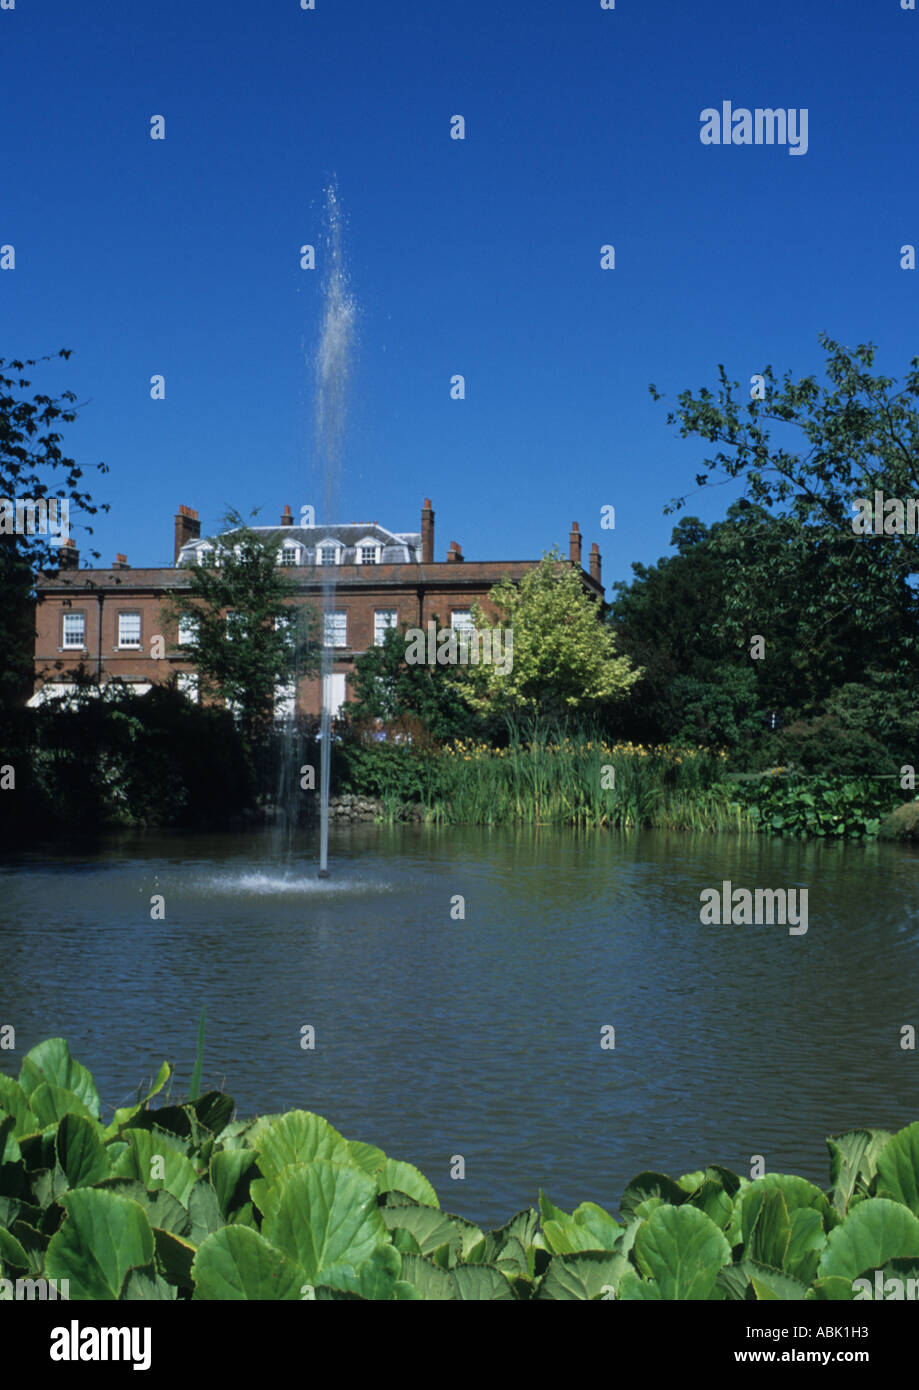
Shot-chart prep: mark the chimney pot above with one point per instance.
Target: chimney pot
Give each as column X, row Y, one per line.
column 595, row 562
column 187, row 528
column 68, row 555
column 287, row 517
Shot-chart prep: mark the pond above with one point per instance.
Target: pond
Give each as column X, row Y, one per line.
column 439, row 1035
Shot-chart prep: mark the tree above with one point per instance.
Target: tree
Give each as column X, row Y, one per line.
column 29, row 449
column 804, row 454
column 249, row 635
column 388, row 687
column 559, row 658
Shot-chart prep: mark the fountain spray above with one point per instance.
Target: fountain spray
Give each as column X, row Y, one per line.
column 333, row 369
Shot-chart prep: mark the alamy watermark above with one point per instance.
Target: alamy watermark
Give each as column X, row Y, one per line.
column 465, row 646
column 36, row 516
column 743, row 907
column 761, row 126
column 891, row 516
column 30, row 1289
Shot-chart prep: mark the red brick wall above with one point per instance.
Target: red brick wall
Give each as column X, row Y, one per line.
column 360, row 590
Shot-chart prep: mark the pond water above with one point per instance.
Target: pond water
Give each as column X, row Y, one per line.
column 481, row 1037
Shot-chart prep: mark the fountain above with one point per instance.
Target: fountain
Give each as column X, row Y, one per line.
column 332, row 371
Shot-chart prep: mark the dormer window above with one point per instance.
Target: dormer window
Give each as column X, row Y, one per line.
column 369, row 554
column 206, row 557
column 290, row 555
column 328, row 555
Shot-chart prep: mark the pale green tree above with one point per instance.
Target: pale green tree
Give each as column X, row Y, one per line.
column 560, row 658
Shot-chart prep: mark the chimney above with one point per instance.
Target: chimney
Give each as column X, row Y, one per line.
column 286, row 517
column 68, row 555
column 454, row 554
column 574, row 545
column 188, row 528
column 121, row 563
column 595, row 563
column 427, row 533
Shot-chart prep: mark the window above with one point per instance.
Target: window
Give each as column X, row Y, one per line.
column 74, row 630
column 129, row 630
column 188, row 630
column 461, row 619
column 235, row 624
column 328, row 554
column 336, row 629
column 206, row 557
column 383, row 619
column 368, row 554
column 288, row 555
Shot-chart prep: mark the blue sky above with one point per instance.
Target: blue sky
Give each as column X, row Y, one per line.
column 479, row 257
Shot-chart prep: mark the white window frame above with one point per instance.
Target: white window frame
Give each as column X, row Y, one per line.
column 380, row 629
column 328, row 545
column 188, row 630
column 69, row 646
column 462, row 626
column 292, row 549
column 335, row 628
column 129, row 646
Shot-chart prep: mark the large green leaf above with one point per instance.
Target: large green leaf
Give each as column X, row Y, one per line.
column 588, row 1227
column 80, row 1151
column 432, row 1283
column 482, row 1283
column 50, row 1103
column 396, row 1176
column 806, row 1245
column 10, row 1152
column 797, row 1192
column 374, row 1279
column 236, row 1263
column 853, row 1163
column 149, row 1152
column 146, row 1286
column 586, row 1275
column 231, row 1171
column 874, row 1232
column 327, row 1219
column 103, row 1238
column 651, row 1184
column 174, row 1258
column 429, row 1227
column 204, row 1210
column 14, row 1101
column 898, row 1168
column 682, row 1250
column 366, row 1156
column 297, row 1137
column 160, row 1207
column 50, row 1061
column 769, row 1239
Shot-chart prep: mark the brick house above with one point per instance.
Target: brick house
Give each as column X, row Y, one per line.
column 104, row 621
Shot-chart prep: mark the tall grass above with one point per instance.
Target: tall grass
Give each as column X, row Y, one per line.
column 553, row 778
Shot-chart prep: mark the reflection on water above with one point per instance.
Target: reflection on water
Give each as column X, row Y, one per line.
column 481, row 1036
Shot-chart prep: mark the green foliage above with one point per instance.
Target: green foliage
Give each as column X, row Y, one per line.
column 154, row 759
column 250, row 637
column 385, row 686
column 789, row 804
column 565, row 660
column 183, row 1202
column 30, row 451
